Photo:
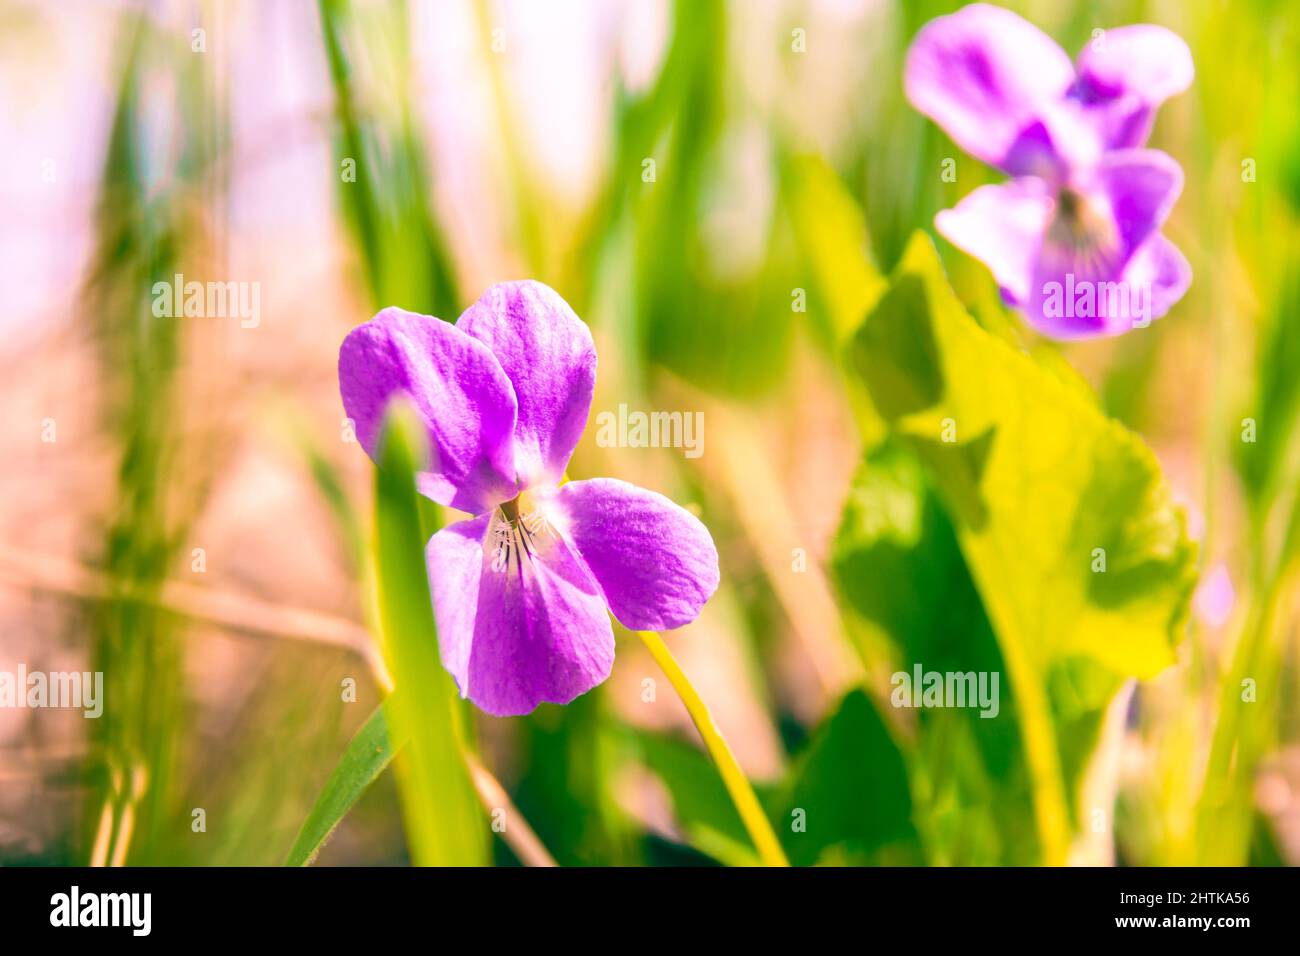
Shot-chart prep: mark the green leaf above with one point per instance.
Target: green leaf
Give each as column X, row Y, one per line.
column 849, row 797
column 367, row 756
column 832, row 234
column 704, row 810
column 444, row 821
column 1080, row 558
column 894, row 552
column 1037, row 479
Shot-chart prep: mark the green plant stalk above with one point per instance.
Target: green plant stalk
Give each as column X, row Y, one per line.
column 358, row 200
column 387, row 205
column 1225, row 806
column 1042, row 757
column 525, row 199
column 742, row 794
column 1224, row 814
column 367, row 757
column 445, row 825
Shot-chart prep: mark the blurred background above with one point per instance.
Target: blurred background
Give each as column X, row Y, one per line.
column 182, row 508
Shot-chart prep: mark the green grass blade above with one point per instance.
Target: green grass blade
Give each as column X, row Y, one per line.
column 367, row 756
column 444, row 822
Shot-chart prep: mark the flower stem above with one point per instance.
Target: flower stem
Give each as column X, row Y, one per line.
column 742, row 794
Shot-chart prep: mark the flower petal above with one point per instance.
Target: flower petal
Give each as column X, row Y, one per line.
column 1081, row 286
column 459, row 391
column 547, row 352
column 1061, row 139
column 655, row 561
column 1149, row 61
column 1126, row 73
column 1122, row 122
column 533, row 629
column 1140, row 186
column 985, row 75
column 1077, row 301
column 455, row 560
column 1161, row 268
column 1003, row 227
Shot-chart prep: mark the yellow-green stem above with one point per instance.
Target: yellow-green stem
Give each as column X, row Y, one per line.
column 742, row 794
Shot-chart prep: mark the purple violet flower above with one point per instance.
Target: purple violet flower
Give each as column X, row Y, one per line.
column 1074, row 239
column 522, row 592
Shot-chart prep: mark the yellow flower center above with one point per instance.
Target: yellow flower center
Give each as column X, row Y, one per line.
column 519, row 508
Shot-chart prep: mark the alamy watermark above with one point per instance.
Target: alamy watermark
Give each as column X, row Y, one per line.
column 208, row 300
column 1085, row 299
column 939, row 689
column 82, row 690
column 636, row 429
column 133, row 911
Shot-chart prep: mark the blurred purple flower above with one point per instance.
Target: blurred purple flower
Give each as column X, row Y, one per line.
column 1074, row 239
column 523, row 591
column 1215, row 596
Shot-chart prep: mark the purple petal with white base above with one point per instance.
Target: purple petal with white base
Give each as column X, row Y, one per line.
column 528, row 631
column 1002, row 226
column 458, row 390
column 1124, row 76
column 654, row 560
column 986, row 76
column 549, row 356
